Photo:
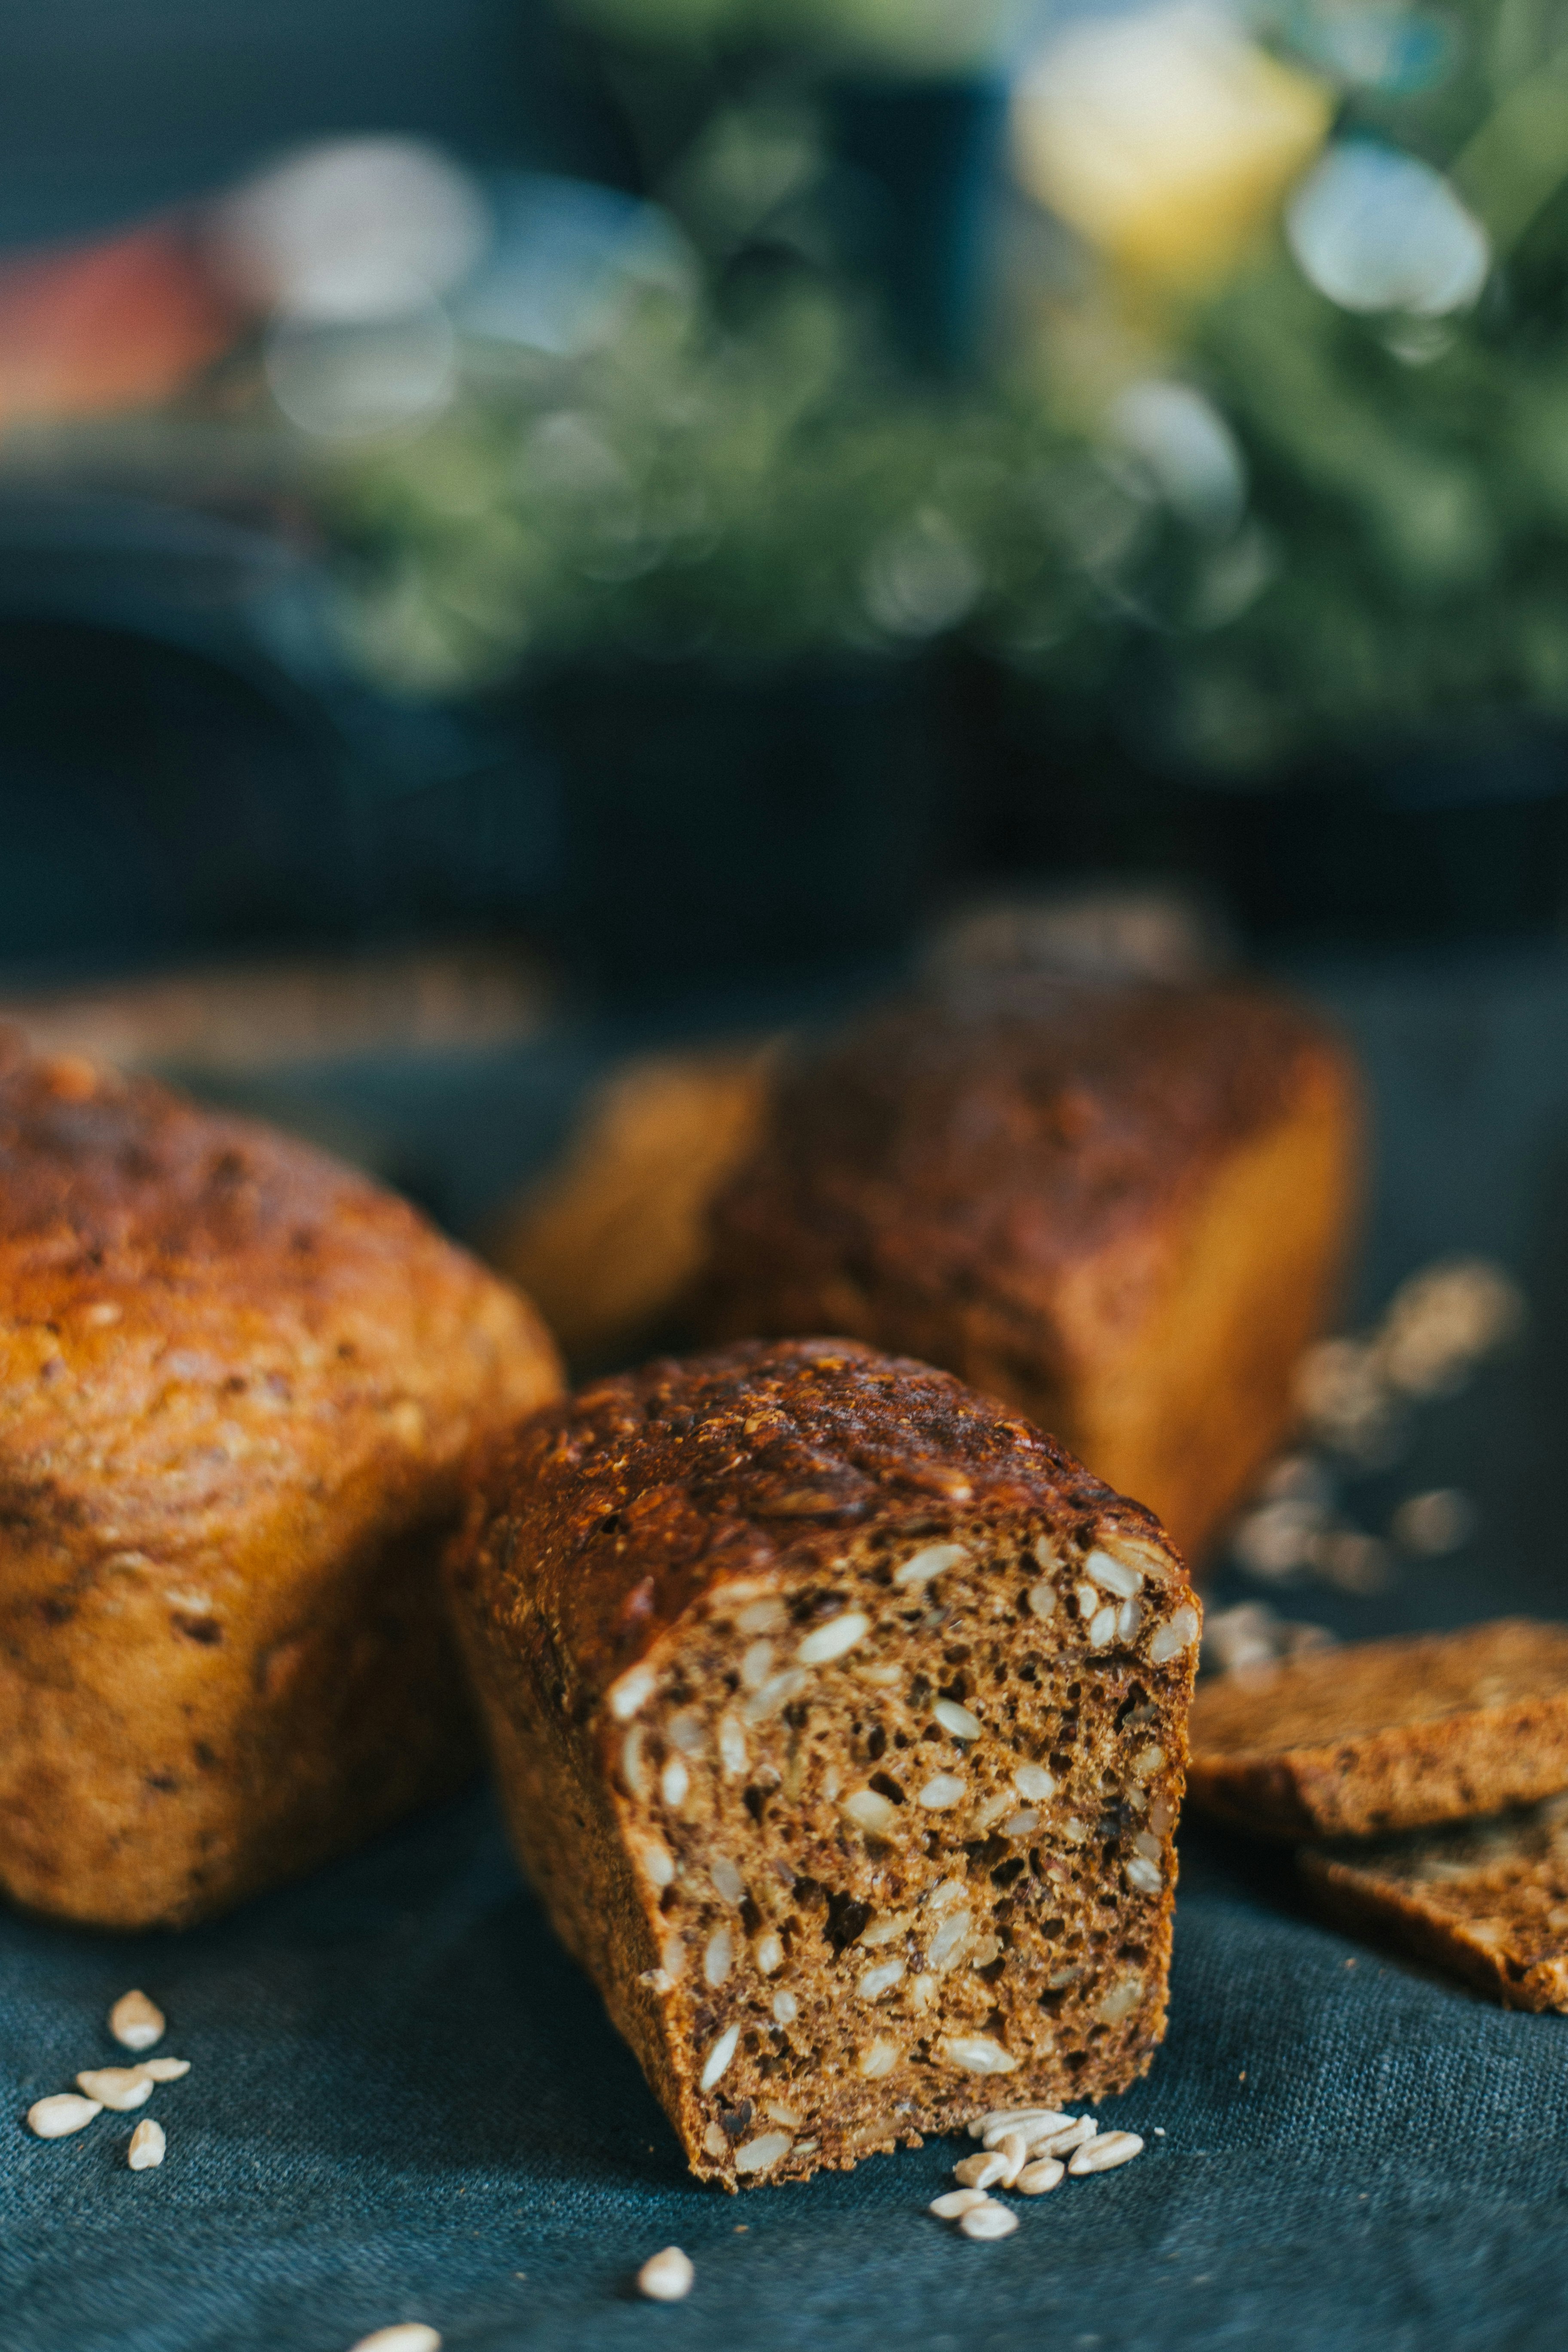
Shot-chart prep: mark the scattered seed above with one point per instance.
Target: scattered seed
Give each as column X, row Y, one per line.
column 666, row 2277
column 720, row 2056
column 828, row 1642
column 407, row 2336
column 164, row 2070
column 147, row 2146
column 954, row 2203
column 1104, row 2153
column 979, row 2171
column 1013, row 2149
column 135, row 2021
column 941, row 1791
column 988, row 2220
column 1032, row 2120
column 1075, row 2135
column 53, row 2119
column 116, row 2086
column 957, row 1719
column 1036, row 2178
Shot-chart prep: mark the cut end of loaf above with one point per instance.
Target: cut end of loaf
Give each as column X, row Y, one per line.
column 898, row 1827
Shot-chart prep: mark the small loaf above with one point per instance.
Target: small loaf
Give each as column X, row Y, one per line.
column 1487, row 1901
column 839, row 1718
column 1386, row 1734
column 238, row 1385
column 1121, row 1206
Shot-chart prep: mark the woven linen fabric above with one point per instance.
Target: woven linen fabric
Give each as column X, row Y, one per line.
column 405, row 2102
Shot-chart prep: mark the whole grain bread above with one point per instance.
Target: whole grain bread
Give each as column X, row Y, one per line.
column 1488, row 1902
column 238, row 1386
column 840, row 1719
column 1386, row 1734
column 1120, row 1206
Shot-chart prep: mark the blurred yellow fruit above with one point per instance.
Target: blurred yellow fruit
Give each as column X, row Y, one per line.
column 1165, row 139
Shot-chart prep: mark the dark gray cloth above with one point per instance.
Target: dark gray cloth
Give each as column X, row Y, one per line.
column 405, row 2102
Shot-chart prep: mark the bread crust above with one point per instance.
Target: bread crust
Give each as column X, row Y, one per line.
column 1386, row 1734
column 1118, row 1206
column 1488, row 1902
column 239, row 1384
column 641, row 1571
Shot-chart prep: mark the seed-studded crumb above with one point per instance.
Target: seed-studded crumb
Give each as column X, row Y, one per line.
column 925, row 1682
column 988, row 2220
column 53, row 2119
column 1487, row 1900
column 409, row 2336
column 1379, row 1735
column 666, row 2277
column 136, row 2022
column 147, row 2146
column 116, row 2086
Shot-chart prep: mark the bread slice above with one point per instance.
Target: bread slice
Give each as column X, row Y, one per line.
column 840, row 1719
column 1120, row 1206
column 1387, row 1734
column 1487, row 1901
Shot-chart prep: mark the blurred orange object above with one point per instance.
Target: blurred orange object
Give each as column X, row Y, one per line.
column 115, row 325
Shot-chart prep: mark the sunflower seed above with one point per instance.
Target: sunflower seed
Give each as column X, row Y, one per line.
column 163, row 2070
column 147, row 2145
column 1104, row 2153
column 988, row 2220
column 719, row 2056
column 831, row 1641
column 116, row 2086
column 979, row 2171
column 53, row 2119
column 957, row 1719
column 954, row 2203
column 1036, row 2178
column 135, row 2021
column 1015, row 2148
column 922, row 1566
column 976, row 2053
column 941, row 1791
column 665, row 2277
column 409, row 2336
column 1031, row 2121
column 762, row 2155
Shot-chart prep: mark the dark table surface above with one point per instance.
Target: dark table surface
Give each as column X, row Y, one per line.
column 406, row 2104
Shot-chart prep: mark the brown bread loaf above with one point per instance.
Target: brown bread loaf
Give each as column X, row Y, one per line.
column 1386, row 1734
column 238, row 1387
column 1488, row 1902
column 1120, row 1206
column 839, row 1718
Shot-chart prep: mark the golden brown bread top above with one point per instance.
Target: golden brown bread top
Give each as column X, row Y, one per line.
column 200, row 1312
column 1326, row 1697
column 605, row 1518
column 983, row 1134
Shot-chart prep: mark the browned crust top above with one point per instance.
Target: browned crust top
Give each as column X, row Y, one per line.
column 200, row 1312
column 1018, row 1121
column 604, row 1518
